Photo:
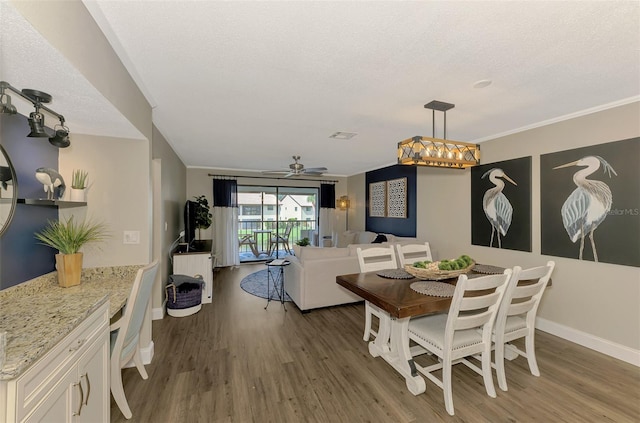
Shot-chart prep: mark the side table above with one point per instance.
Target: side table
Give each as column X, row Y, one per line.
column 275, row 277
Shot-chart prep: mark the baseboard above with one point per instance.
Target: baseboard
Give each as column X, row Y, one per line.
column 158, row 313
column 612, row 349
column 147, row 355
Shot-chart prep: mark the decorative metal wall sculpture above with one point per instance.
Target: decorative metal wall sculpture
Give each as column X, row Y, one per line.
column 377, row 199
column 397, row 198
column 590, row 203
column 501, row 204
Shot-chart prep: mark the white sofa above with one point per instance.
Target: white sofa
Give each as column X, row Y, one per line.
column 310, row 279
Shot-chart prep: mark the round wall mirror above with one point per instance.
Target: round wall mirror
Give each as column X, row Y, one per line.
column 8, row 190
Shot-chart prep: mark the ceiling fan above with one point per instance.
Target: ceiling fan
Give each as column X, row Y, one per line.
column 297, row 169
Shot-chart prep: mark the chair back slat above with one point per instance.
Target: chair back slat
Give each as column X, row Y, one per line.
column 521, row 308
column 472, row 321
column 410, row 253
column 476, row 303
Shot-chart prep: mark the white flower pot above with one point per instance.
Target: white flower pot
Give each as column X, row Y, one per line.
column 78, row 195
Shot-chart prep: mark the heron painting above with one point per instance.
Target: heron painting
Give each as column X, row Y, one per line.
column 496, row 206
column 588, row 205
column 501, row 204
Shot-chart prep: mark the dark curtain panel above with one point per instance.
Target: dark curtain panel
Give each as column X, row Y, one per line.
column 327, row 196
column 225, row 193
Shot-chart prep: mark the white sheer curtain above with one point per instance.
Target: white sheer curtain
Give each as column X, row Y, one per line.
column 225, row 222
column 225, row 236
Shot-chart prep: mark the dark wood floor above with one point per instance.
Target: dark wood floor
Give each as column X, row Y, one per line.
column 235, row 362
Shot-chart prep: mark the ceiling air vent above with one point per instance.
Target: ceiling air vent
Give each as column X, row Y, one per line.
column 343, row 135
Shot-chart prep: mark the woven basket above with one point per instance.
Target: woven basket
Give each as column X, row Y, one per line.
column 436, row 275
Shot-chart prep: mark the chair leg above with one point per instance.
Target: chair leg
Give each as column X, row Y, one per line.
column 531, row 354
column 502, row 377
column 117, row 390
column 446, row 385
column 487, row 374
column 137, row 360
column 367, row 321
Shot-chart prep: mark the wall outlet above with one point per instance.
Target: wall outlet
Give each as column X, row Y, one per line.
column 131, row 237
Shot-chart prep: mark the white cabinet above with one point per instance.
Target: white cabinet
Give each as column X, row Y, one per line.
column 70, row 383
column 193, row 264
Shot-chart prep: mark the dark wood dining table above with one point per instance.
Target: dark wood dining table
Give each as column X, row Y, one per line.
column 396, row 298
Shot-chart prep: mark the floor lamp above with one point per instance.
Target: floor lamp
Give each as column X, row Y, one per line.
column 343, row 204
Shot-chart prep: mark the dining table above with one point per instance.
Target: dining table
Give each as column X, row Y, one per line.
column 401, row 302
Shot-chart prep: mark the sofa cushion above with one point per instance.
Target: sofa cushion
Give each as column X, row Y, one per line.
column 345, row 238
column 314, row 253
column 365, row 237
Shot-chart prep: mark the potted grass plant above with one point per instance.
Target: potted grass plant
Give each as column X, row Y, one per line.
column 79, row 185
column 68, row 237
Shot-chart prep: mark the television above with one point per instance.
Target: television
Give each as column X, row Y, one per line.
column 190, row 209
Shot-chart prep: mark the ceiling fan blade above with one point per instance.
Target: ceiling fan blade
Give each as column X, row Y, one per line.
column 315, row 169
column 291, row 174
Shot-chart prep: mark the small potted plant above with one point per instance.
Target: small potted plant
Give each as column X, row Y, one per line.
column 203, row 217
column 303, row 242
column 68, row 237
column 79, row 185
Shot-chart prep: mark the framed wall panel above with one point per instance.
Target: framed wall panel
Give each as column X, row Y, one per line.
column 377, row 199
column 397, row 198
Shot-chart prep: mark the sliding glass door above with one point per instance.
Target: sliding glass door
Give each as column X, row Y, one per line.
column 272, row 219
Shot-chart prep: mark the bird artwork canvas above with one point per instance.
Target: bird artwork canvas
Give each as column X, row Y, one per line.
column 52, row 182
column 590, row 203
column 501, row 204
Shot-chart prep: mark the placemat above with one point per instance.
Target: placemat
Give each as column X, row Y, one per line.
column 394, row 274
column 436, row 289
column 488, row 269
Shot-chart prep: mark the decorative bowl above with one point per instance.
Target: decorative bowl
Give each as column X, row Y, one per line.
column 436, row 275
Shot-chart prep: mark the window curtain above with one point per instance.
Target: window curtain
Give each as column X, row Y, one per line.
column 327, row 211
column 225, row 222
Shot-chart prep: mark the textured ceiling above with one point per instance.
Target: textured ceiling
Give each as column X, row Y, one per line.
column 27, row 60
column 246, row 85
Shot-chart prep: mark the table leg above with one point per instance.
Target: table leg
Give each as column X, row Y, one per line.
column 398, row 354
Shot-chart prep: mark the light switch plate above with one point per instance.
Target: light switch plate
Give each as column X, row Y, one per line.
column 131, row 237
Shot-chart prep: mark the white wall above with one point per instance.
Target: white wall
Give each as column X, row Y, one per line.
column 595, row 304
column 118, row 195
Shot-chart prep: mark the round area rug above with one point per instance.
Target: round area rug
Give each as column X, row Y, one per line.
column 256, row 284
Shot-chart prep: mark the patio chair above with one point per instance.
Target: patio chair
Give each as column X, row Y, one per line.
column 281, row 239
column 371, row 260
column 517, row 317
column 248, row 240
column 462, row 332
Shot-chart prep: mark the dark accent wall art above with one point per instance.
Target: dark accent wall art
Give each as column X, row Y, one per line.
column 501, row 204
column 590, row 203
column 391, row 200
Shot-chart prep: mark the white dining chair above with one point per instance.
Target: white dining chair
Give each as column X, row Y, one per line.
column 517, row 317
column 464, row 331
column 410, row 253
column 372, row 260
column 125, row 334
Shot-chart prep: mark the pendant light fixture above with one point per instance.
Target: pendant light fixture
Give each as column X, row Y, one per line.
column 425, row 151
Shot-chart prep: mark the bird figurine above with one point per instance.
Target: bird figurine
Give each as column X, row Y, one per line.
column 53, row 182
column 496, row 206
column 588, row 205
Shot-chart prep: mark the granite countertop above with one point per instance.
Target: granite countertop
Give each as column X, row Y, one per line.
column 38, row 314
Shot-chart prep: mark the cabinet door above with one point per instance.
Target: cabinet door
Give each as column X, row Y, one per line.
column 93, row 369
column 56, row 405
column 193, row 264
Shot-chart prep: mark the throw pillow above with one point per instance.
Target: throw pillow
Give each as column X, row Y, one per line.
column 379, row 239
column 346, row 238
